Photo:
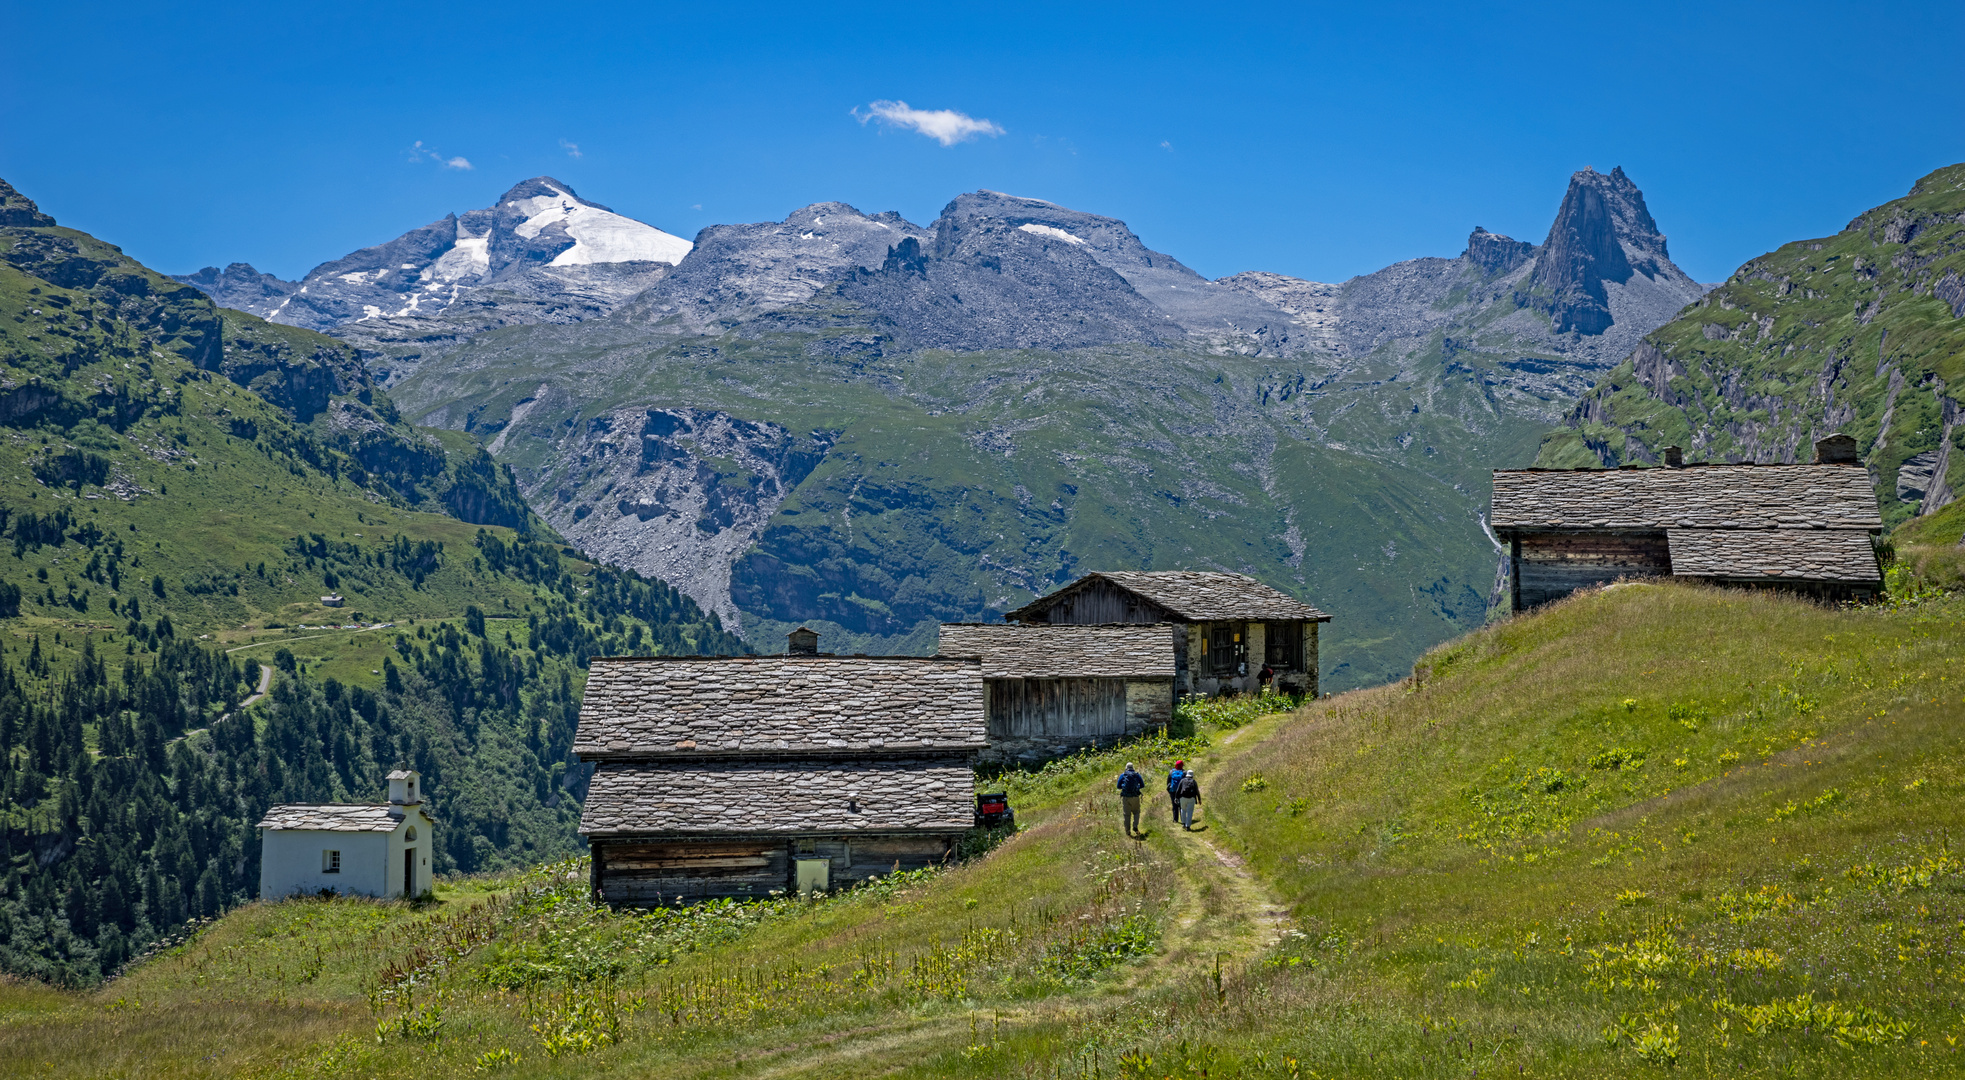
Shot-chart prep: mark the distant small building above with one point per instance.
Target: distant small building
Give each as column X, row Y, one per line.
column 1229, row 628
column 1057, row 689
column 740, row 776
column 332, row 600
column 357, row 849
column 1799, row 528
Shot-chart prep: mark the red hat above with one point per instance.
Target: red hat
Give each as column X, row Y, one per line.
column 1178, row 764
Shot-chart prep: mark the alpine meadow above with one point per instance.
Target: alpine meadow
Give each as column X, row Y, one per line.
column 542, row 642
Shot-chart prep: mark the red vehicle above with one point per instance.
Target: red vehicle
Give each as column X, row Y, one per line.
column 993, row 808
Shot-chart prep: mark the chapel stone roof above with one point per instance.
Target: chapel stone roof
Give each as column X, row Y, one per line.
column 1694, row 496
column 1773, row 555
column 1193, row 595
column 736, row 705
column 722, row 797
column 333, row 817
column 1045, row 651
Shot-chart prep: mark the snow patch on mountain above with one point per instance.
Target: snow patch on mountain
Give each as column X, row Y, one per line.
column 600, row 236
column 1052, row 232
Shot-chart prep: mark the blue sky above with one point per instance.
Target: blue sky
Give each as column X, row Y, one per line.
column 1314, row 140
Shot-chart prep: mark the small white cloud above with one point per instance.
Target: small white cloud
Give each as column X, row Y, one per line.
column 1167, row 146
column 572, row 148
column 419, row 153
column 696, row 206
column 945, row 126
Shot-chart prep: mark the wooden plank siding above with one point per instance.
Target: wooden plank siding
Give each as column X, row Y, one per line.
column 1100, row 602
column 645, row 872
column 1035, row 720
column 1077, row 709
column 1550, row 566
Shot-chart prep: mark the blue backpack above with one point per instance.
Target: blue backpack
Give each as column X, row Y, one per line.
column 1174, row 777
column 1131, row 783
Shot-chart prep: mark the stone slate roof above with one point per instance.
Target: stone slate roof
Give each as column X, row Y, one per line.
column 698, row 706
column 337, row 817
column 722, row 797
column 1695, row 496
column 1771, row 554
column 1043, row 651
column 1195, row 595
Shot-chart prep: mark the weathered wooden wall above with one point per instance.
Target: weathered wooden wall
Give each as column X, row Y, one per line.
column 1033, row 720
column 647, row 872
column 643, row 873
column 1028, row 708
column 1101, row 602
column 1550, row 566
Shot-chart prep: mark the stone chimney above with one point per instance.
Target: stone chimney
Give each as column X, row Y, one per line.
column 1837, row 449
column 1674, row 456
column 802, row 642
column 405, row 789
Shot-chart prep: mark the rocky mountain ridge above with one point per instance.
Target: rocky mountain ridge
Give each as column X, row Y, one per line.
column 849, row 420
column 1538, row 320
column 539, row 241
column 1861, row 332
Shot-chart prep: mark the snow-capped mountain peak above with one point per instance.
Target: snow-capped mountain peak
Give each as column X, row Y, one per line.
column 539, row 238
column 600, row 235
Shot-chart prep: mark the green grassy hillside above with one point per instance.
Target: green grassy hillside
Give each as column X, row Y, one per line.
column 1649, row 827
column 1861, row 332
column 180, row 486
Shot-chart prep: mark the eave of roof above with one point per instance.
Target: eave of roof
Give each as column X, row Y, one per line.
column 1711, row 496
column 1191, row 596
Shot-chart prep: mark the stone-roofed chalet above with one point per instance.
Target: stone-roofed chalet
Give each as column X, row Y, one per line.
column 1057, row 689
column 1805, row 528
column 807, row 705
column 1230, row 629
column 748, row 775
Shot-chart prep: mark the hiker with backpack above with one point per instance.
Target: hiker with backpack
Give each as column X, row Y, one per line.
column 1131, row 783
column 1174, row 777
column 1189, row 796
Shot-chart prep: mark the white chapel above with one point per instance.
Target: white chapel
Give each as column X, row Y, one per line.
column 355, row 849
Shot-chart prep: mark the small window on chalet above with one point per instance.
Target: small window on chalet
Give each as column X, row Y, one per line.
column 330, row 862
column 410, row 833
column 1283, row 643
column 808, row 847
column 1223, row 645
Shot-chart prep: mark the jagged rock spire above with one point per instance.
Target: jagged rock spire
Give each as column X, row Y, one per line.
column 1602, row 233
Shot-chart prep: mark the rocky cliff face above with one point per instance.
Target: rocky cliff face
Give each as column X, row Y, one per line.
column 1535, row 324
column 1602, row 236
column 1861, row 332
column 737, row 272
column 678, row 494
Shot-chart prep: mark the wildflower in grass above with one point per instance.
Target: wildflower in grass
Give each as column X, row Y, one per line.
column 1746, row 907
column 1633, row 898
column 1754, row 960
column 1921, row 874
column 1254, row 784
column 1848, row 1026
